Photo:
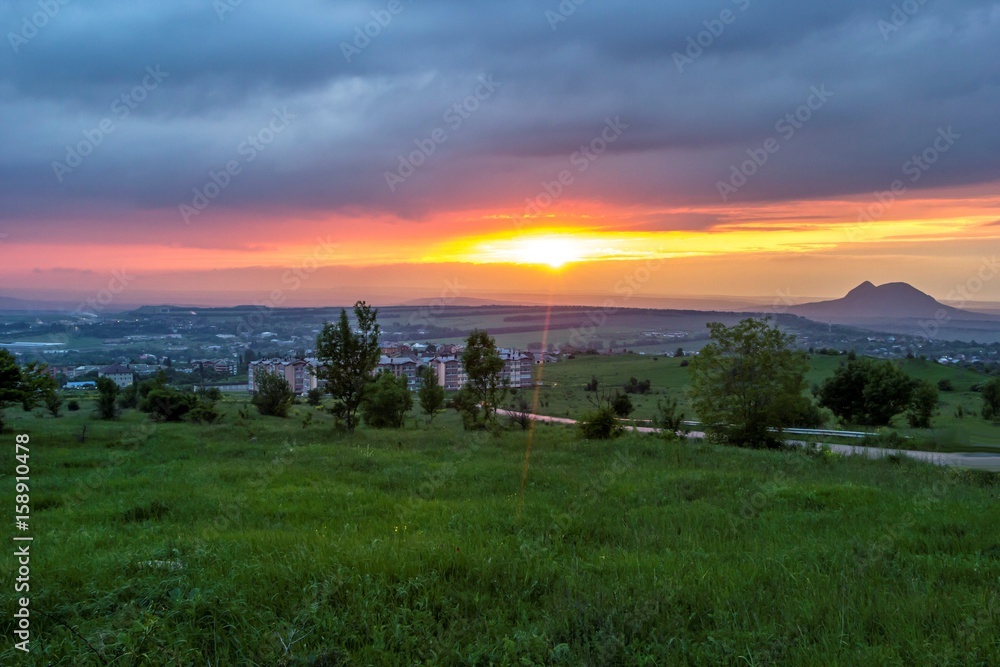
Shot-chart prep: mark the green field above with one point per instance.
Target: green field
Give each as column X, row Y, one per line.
column 263, row 542
column 563, row 394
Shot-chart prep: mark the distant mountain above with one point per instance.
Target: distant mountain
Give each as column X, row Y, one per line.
column 10, row 303
column 892, row 301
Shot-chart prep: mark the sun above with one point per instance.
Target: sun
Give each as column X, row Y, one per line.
column 552, row 251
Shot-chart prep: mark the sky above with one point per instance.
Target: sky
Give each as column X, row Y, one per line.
column 315, row 153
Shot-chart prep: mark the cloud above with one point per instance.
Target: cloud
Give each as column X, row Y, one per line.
column 354, row 120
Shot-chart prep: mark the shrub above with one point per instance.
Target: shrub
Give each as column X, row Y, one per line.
column 167, row 404
column 73, row 405
column 601, row 424
column 314, row 397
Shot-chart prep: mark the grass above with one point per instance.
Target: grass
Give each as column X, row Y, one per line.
column 564, row 396
column 261, row 542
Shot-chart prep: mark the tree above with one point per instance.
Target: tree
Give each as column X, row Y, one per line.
column 53, row 402
column 348, row 359
column 923, row 402
column 386, row 401
column 107, row 392
column 867, row 391
column 36, row 386
column 484, row 368
column 430, row 394
column 274, row 396
column 748, row 380
column 10, row 382
column 991, row 399
column 600, row 424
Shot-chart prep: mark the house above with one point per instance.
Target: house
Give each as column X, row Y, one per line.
column 117, row 373
column 450, row 372
column 299, row 373
column 516, row 367
column 404, row 366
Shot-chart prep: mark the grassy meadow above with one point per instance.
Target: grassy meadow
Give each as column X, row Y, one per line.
column 262, row 541
column 563, row 394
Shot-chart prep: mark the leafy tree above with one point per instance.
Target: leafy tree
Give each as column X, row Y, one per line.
column 36, row 385
column 386, row 401
column 430, row 394
column 923, row 402
column 679, row 353
column 10, row 382
column 274, row 396
column 484, row 368
column 991, row 399
column 867, row 391
column 349, row 358
column 748, row 380
column 53, row 402
column 107, row 393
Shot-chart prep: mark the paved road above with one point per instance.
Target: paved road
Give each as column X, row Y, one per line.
column 974, row 460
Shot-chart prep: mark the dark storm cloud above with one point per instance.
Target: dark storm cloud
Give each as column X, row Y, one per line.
column 895, row 77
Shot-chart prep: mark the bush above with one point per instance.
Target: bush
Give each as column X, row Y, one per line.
column 622, row 406
column 602, row 424
column 167, row 404
column 945, row 385
column 633, row 386
column 73, row 405
column 314, row 397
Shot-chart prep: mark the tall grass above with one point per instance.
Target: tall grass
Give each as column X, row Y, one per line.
column 263, row 542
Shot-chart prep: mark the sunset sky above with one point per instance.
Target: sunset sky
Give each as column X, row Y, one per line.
column 314, row 153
